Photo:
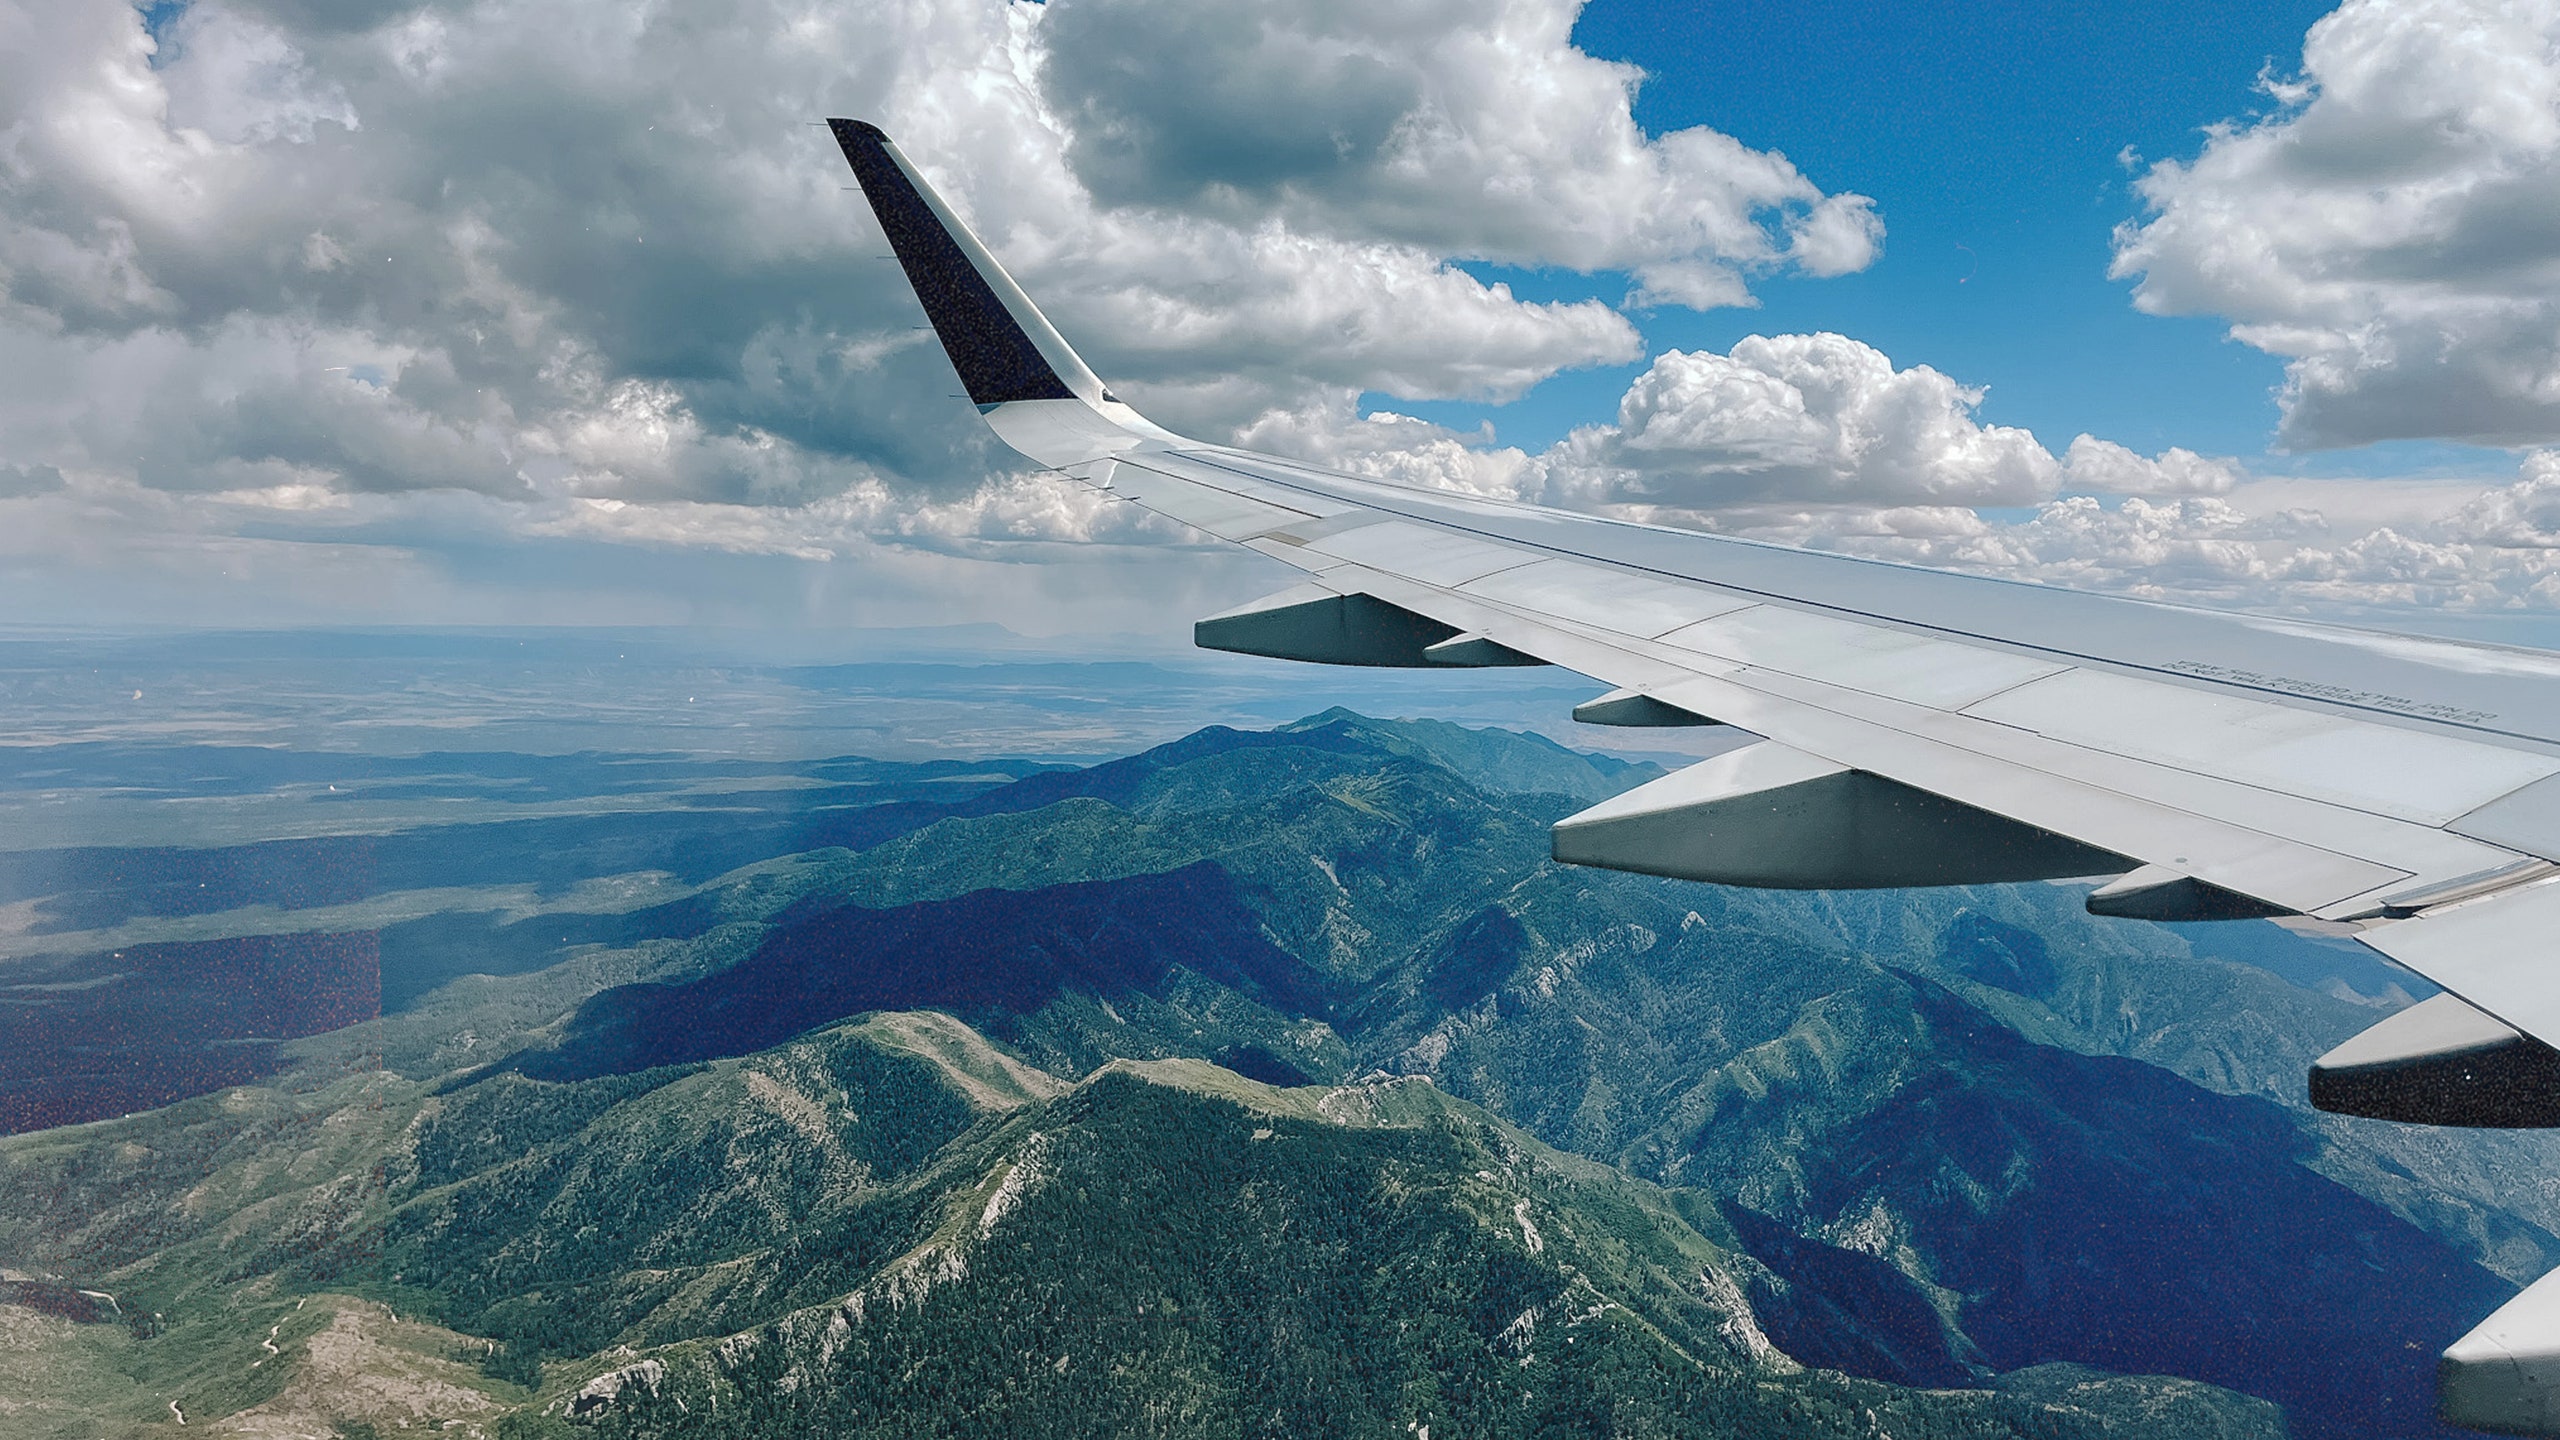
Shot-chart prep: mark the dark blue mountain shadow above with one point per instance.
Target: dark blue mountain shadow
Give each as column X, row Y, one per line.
column 1475, row 959
column 1845, row 1311
column 2107, row 1212
column 984, row 956
column 1999, row 954
column 86, row 1037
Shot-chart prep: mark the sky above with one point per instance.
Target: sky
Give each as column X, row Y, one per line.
column 472, row 312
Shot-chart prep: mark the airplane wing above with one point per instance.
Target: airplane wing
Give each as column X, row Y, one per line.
column 1907, row 726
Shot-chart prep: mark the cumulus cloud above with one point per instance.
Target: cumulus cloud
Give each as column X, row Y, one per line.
column 1462, row 128
column 2521, row 516
column 590, row 261
column 1821, row 441
column 2387, row 228
column 2206, row 549
column 2478, row 550
column 1401, row 448
column 1784, row 421
column 428, row 281
column 2108, row 468
column 241, row 81
column 1804, row 417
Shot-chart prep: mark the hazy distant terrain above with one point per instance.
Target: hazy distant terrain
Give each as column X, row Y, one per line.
column 209, row 843
column 964, row 691
column 1268, row 1080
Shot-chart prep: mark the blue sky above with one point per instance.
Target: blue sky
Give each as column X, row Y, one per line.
column 1992, row 137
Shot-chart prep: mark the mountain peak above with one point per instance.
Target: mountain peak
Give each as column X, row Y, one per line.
column 986, row 1076
column 1376, row 1101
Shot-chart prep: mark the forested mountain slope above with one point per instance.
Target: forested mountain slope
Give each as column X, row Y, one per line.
column 1212, row 1091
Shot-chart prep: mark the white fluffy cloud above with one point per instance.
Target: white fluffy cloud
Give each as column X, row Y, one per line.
column 584, row 249
column 2452, row 549
column 1808, row 418
column 1461, row 127
column 1780, row 420
column 2208, row 549
column 583, row 274
column 2459, row 550
column 1818, row 440
column 2389, row 229
column 438, row 281
column 2107, row 468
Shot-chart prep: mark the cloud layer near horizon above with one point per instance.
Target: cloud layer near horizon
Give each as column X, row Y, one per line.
column 1819, row 440
column 373, row 303
column 1784, row 420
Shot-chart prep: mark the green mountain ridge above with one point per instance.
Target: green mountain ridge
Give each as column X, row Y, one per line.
column 1546, row 1291
column 1831, row 1128
column 1467, row 1274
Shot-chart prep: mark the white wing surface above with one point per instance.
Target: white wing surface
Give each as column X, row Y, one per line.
column 1917, row 727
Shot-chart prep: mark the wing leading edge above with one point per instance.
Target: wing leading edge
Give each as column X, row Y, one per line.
column 1916, row 727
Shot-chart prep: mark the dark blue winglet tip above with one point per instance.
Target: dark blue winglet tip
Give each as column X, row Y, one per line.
column 850, row 131
column 996, row 360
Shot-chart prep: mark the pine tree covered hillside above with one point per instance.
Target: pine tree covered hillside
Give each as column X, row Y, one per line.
column 1276, row 1083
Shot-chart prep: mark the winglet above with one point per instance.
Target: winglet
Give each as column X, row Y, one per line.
column 1001, row 344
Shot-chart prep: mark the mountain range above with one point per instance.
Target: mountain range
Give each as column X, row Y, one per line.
column 1264, row 1082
